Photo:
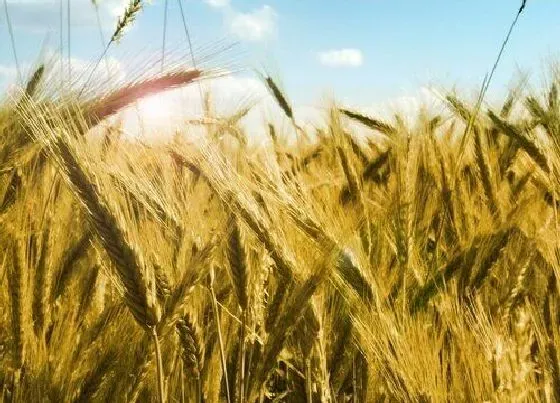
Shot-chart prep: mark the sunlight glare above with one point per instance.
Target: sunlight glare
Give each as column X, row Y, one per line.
column 156, row 108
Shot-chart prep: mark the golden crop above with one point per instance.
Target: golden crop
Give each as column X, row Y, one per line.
column 418, row 263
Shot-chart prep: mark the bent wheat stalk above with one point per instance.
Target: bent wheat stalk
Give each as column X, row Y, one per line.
column 219, row 331
column 103, row 107
column 138, row 282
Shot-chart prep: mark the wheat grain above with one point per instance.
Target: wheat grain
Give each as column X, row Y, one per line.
column 130, row 13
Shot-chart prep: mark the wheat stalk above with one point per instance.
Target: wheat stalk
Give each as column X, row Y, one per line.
column 217, row 321
column 17, row 298
column 486, row 175
column 551, row 350
column 125, row 257
column 41, row 284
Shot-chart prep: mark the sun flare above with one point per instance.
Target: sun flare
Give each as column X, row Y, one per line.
column 157, row 108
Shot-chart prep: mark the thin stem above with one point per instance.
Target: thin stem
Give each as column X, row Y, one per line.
column 188, row 36
column 199, row 398
column 13, row 40
column 101, row 37
column 220, row 340
column 182, row 380
column 308, row 381
column 95, row 68
column 68, row 35
column 354, row 381
column 61, row 38
column 164, row 34
column 325, row 389
column 16, row 380
column 161, row 390
column 487, row 80
column 506, row 40
column 242, row 358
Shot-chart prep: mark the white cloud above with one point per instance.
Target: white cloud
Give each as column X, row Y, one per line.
column 40, row 15
column 109, row 70
column 218, row 3
column 257, row 25
column 161, row 115
column 341, row 58
column 7, row 72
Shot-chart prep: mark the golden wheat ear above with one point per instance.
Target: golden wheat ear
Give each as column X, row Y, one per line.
column 125, row 257
column 279, row 97
column 530, row 146
column 237, row 257
column 35, row 80
column 372, row 123
column 132, row 10
column 107, row 105
column 192, row 352
column 296, row 306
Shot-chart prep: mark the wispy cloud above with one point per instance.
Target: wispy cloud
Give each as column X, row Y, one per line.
column 218, row 3
column 110, row 68
column 229, row 95
column 40, row 15
column 255, row 25
column 7, row 72
column 341, row 58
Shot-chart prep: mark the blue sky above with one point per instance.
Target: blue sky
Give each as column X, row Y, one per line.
column 364, row 51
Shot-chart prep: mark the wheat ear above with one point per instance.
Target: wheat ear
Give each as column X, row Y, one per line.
column 238, row 263
column 295, row 308
column 95, row 377
column 192, row 351
column 111, row 103
column 279, row 97
column 370, row 122
column 132, row 10
column 35, row 80
column 486, row 175
column 353, row 189
column 488, row 246
column 530, row 147
column 125, row 258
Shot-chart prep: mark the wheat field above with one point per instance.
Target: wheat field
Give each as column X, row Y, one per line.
column 412, row 259
column 415, row 263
